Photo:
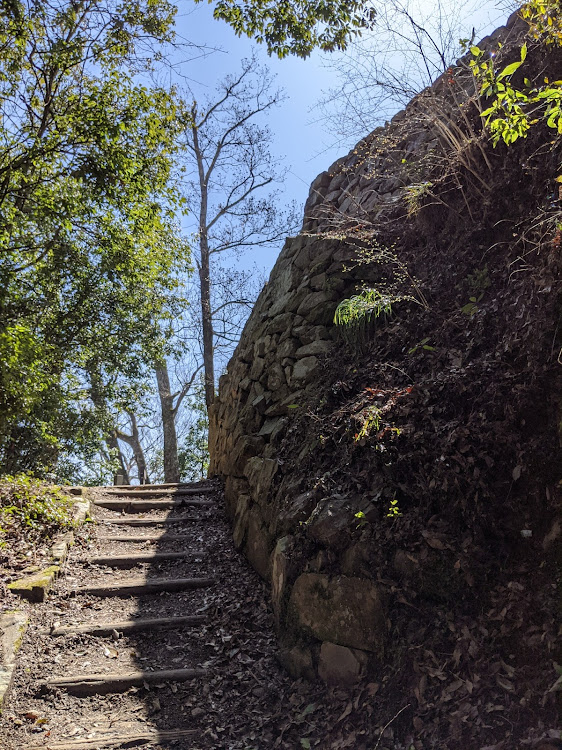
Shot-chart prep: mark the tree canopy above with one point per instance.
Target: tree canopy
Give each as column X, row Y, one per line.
column 296, row 27
column 90, row 251
column 87, row 232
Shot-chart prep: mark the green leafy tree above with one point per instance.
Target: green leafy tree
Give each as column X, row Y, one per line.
column 88, row 240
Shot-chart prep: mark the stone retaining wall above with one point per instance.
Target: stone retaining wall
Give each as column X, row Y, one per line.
column 331, row 626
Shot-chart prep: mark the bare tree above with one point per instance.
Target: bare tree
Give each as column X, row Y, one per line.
column 170, row 404
column 228, row 163
column 412, row 43
column 228, row 176
column 133, row 440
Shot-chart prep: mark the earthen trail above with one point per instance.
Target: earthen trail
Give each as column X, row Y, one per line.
column 131, row 611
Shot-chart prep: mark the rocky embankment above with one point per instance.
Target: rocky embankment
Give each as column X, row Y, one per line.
column 399, row 489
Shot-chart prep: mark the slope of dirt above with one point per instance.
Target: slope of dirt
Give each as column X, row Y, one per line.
column 32, row 515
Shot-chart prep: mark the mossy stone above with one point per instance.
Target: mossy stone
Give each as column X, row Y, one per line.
column 35, row 588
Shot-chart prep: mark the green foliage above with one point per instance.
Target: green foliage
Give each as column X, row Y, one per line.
column 414, row 195
column 479, row 280
column 356, row 310
column 515, row 109
column 88, row 239
column 478, row 283
column 23, row 377
column 393, row 510
column 545, row 20
column 296, row 27
column 371, row 422
column 423, row 345
column 31, row 509
column 361, row 519
column 355, row 315
column 471, row 307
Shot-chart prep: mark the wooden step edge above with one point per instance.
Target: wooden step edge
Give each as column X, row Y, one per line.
column 129, row 561
column 136, row 492
column 139, row 538
column 149, row 521
column 191, row 502
column 102, row 684
column 137, row 506
column 126, row 626
column 142, row 587
column 118, row 740
column 161, row 486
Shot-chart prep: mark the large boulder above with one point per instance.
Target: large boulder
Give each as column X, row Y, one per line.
column 332, row 521
column 304, row 370
column 298, row 662
column 339, row 665
column 346, row 611
column 260, row 473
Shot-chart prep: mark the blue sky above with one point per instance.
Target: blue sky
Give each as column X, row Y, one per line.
column 303, row 143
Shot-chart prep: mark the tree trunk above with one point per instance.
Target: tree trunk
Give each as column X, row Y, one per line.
column 171, row 463
column 98, row 399
column 204, row 271
column 207, row 320
column 134, row 441
column 114, row 449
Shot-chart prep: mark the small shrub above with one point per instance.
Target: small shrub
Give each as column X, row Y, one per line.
column 356, row 315
column 515, row 109
column 32, row 510
column 371, row 423
column 393, row 510
column 370, row 303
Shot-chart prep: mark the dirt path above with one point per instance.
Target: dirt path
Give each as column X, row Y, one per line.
column 106, row 666
column 159, row 635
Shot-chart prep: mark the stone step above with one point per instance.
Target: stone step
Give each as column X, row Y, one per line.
column 127, row 626
column 12, row 629
column 131, row 739
column 102, row 684
column 164, row 537
column 143, row 587
column 149, row 521
column 129, row 561
column 141, row 506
